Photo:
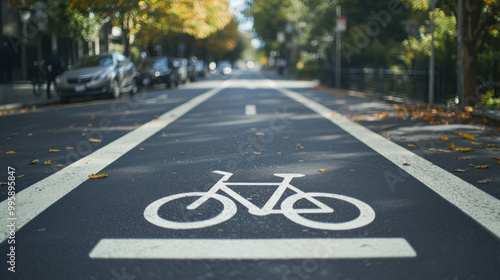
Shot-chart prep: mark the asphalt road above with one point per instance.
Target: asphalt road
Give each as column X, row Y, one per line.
column 307, row 194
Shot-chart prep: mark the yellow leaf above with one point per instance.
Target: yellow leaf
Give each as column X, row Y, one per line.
column 141, row 149
column 70, row 148
column 431, row 149
column 92, row 140
column 54, row 151
column 425, row 139
column 411, row 145
column 481, row 166
column 10, row 152
column 35, row 161
column 457, row 133
column 492, row 149
column 469, row 136
column 463, row 149
column 451, row 146
column 322, row 170
column 98, row 176
column 47, row 162
column 182, row 153
column 60, row 165
column 260, row 134
column 257, row 153
column 443, row 138
column 492, row 145
column 20, row 176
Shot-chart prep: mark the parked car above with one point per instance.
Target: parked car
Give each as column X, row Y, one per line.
column 224, row 67
column 200, row 68
column 106, row 73
column 157, row 70
column 182, row 68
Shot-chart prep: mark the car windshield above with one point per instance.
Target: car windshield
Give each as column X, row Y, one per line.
column 152, row 63
column 94, row 61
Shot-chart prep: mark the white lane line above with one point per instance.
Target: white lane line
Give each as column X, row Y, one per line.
column 39, row 196
column 250, row 110
column 479, row 205
column 317, row 248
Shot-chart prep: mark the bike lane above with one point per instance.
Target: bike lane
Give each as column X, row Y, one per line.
column 283, row 137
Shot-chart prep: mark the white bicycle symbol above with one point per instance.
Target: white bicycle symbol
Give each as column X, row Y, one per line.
column 366, row 216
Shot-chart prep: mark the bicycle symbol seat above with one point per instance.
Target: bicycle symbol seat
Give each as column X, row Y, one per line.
column 366, row 216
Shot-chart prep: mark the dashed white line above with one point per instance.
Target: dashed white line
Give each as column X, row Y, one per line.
column 250, row 110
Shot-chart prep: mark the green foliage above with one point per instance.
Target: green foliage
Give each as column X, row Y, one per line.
column 489, row 100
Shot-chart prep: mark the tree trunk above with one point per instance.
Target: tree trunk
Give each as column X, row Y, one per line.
column 471, row 29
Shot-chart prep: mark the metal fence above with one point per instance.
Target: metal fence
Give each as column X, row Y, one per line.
column 410, row 84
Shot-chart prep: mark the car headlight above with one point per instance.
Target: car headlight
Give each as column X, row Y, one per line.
column 102, row 76
column 157, row 73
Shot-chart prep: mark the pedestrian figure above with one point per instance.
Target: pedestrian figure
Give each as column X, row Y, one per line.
column 6, row 56
column 53, row 67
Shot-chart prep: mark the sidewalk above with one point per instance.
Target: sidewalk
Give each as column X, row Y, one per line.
column 19, row 94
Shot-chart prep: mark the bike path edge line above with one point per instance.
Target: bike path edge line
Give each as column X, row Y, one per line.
column 480, row 206
column 195, row 249
column 36, row 198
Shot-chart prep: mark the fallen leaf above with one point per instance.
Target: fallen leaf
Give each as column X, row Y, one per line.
column 279, row 153
column 157, row 117
column 20, row 176
column 181, row 153
column 30, row 134
column 260, row 134
column 322, row 170
column 245, row 153
column 299, row 146
column 141, row 149
column 484, row 181
column 93, row 140
column 425, row 139
column 60, row 165
column 443, row 138
column 492, row 145
column 476, row 143
column 92, row 117
column 70, row 148
column 494, row 138
column 164, row 134
column 10, row 152
column 54, row 151
column 496, row 158
column 463, row 158
column 98, row 176
column 444, row 151
column 493, row 149
column 47, row 162
column 173, row 173
column 253, row 129
column 463, row 149
column 469, row 136
column 35, row 161
column 403, row 138
column 257, row 153
column 431, row 149
column 72, row 126
column 411, row 145
column 457, row 133
column 480, row 166
column 460, row 170
column 406, row 164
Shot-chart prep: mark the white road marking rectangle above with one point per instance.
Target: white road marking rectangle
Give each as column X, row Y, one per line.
column 317, row 248
column 41, row 195
column 250, row 110
column 480, row 206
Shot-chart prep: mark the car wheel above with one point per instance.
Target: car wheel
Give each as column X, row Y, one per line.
column 115, row 89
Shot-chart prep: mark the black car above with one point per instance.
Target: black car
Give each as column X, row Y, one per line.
column 157, row 70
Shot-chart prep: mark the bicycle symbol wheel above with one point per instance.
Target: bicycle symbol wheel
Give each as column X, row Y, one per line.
column 366, row 216
column 151, row 212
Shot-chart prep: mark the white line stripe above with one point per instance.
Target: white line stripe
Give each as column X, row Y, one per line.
column 479, row 205
column 250, row 110
column 39, row 196
column 317, row 248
